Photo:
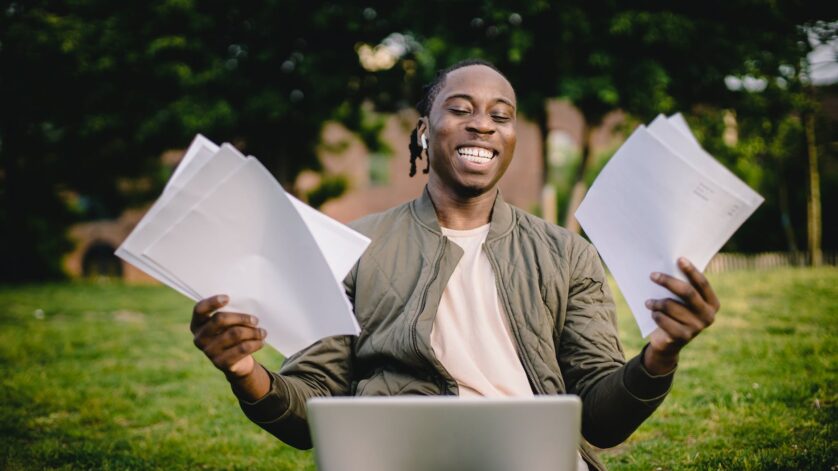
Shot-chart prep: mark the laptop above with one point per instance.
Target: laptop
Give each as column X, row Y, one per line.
column 414, row 433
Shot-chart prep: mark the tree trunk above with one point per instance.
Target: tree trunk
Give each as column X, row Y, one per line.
column 579, row 187
column 813, row 206
column 785, row 217
column 549, row 207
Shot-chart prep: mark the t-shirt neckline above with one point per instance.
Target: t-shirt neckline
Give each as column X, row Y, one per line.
column 481, row 230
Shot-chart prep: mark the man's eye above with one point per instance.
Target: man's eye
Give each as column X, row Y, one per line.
column 500, row 118
column 459, row 111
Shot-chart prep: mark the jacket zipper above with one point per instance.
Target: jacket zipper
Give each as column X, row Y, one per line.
column 522, row 356
column 424, row 298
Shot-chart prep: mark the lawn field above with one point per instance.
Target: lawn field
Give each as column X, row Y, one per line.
column 105, row 376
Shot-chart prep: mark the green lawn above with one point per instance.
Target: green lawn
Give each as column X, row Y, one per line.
column 105, row 376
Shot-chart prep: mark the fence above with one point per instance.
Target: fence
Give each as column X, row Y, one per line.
column 724, row 262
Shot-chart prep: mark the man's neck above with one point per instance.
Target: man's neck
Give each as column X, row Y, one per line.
column 459, row 212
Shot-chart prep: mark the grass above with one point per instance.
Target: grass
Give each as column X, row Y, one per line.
column 105, row 376
column 758, row 390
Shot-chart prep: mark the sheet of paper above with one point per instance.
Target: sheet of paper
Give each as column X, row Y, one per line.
column 200, row 151
column 245, row 238
column 687, row 147
column 184, row 197
column 680, row 123
column 340, row 246
column 171, row 207
column 649, row 206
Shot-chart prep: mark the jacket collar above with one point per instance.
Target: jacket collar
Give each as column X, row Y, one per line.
column 502, row 221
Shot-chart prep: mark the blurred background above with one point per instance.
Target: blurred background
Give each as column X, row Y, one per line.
column 100, row 99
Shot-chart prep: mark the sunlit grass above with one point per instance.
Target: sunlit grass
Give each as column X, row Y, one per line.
column 105, row 376
column 758, row 389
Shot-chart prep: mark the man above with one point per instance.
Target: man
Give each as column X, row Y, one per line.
column 461, row 293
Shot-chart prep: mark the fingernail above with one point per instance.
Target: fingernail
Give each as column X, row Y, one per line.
column 683, row 262
column 223, row 299
column 649, row 303
column 254, row 320
column 263, row 333
column 655, row 276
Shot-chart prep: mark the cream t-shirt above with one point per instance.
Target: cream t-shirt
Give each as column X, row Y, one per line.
column 470, row 335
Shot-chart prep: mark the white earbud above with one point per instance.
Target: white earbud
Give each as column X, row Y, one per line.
column 424, row 140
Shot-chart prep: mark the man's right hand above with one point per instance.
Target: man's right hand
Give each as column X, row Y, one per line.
column 228, row 339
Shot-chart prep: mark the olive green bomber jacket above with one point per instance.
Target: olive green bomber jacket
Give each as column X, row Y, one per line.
column 553, row 290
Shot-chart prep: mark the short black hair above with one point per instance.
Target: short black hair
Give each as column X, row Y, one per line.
column 429, row 94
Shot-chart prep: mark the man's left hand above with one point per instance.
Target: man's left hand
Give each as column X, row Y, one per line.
column 679, row 320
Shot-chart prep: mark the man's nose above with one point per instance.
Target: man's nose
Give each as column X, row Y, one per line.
column 481, row 123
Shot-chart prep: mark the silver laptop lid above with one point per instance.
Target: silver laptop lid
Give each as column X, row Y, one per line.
column 411, row 433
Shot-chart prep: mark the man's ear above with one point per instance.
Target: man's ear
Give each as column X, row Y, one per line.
column 422, row 128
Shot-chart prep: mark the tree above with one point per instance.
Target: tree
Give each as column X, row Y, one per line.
column 93, row 92
column 645, row 58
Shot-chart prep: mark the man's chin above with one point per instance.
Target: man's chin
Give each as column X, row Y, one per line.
column 473, row 189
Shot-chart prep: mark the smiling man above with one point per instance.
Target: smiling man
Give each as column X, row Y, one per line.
column 460, row 293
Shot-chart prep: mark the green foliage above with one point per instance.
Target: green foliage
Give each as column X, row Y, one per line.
column 105, row 376
column 331, row 186
column 658, row 57
column 94, row 91
column 368, row 125
column 97, row 90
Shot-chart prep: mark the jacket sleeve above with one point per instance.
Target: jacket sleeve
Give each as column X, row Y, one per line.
column 323, row 369
column 617, row 396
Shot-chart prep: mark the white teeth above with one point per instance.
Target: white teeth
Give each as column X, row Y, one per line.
column 475, row 154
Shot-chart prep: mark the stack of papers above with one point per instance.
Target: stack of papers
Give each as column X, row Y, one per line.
column 661, row 197
column 223, row 225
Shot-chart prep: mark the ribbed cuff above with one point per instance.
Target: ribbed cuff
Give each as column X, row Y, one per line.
column 643, row 385
column 272, row 406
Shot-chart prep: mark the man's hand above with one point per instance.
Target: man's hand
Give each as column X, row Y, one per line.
column 228, row 339
column 678, row 321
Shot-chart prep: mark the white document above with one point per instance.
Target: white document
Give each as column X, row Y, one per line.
column 182, row 198
column 199, row 152
column 171, row 207
column 341, row 247
column 686, row 146
column 247, row 240
column 658, row 199
column 680, row 123
column 223, row 225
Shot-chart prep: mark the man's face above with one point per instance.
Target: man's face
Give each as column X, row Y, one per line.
column 471, row 130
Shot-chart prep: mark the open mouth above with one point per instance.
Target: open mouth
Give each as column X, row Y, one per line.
column 476, row 154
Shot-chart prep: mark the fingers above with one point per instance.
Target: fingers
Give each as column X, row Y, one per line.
column 679, row 321
column 229, row 347
column 678, row 325
column 224, row 320
column 682, row 289
column 676, row 333
column 230, row 338
column 694, row 302
column 699, row 282
column 677, row 311
column 204, row 308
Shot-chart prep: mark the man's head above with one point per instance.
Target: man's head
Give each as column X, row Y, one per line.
column 468, row 121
